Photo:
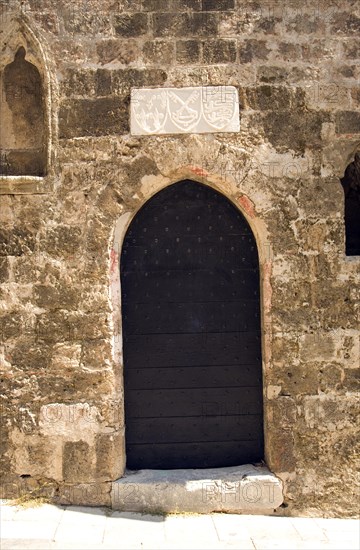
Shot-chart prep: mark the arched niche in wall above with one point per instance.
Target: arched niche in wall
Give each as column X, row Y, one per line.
column 25, row 114
column 351, row 186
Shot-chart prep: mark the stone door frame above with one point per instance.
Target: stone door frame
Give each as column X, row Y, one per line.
column 248, row 209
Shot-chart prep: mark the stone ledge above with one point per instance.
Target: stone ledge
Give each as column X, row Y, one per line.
column 24, row 185
column 239, row 489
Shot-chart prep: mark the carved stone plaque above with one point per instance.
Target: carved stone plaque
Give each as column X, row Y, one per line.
column 198, row 110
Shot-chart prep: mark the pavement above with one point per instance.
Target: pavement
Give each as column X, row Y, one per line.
column 84, row 528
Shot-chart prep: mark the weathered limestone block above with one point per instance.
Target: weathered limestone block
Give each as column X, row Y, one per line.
column 66, row 357
column 184, row 24
column 219, row 51
column 305, row 24
column 57, row 296
column 328, row 413
column 110, row 455
column 117, row 51
column 29, row 356
column 266, row 97
column 252, row 49
column 16, row 241
column 100, row 116
column 302, row 130
column 300, row 379
column 131, row 25
column 78, row 462
column 75, row 422
column 84, row 22
column 34, row 455
column 348, row 122
column 319, row 346
column 282, row 411
column 218, row 5
column 352, row 380
column 331, row 377
column 125, row 79
column 160, row 52
column 345, row 23
column 187, row 51
column 289, row 51
column 281, row 451
column 175, row 6
column 96, row 355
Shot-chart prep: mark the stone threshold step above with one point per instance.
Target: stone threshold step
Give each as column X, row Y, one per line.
column 238, row 489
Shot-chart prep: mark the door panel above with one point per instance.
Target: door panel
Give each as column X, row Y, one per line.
column 191, row 333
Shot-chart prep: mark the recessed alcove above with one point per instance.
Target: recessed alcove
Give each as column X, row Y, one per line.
column 22, row 134
column 28, row 92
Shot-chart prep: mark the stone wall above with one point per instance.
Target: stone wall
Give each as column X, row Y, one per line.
column 297, row 72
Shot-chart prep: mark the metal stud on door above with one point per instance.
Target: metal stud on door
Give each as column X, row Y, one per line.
column 191, row 333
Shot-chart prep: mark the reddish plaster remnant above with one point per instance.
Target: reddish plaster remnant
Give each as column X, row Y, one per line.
column 199, row 171
column 113, row 261
column 247, row 205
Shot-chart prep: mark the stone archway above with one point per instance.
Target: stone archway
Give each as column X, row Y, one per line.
column 238, row 488
column 191, row 333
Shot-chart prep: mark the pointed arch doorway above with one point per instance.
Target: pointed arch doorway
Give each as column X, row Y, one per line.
column 191, row 333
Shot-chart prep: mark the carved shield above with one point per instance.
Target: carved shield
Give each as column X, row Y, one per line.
column 185, row 108
column 149, row 110
column 219, row 105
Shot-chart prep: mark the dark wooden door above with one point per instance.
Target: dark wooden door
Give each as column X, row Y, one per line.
column 191, row 333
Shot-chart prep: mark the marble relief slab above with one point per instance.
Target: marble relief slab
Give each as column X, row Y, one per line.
column 195, row 110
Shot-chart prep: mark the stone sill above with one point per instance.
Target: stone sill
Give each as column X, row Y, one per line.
column 244, row 489
column 24, row 185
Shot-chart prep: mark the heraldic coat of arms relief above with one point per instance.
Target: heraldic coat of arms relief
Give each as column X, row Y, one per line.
column 203, row 109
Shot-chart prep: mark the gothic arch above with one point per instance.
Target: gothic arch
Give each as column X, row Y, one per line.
column 192, row 333
column 259, row 229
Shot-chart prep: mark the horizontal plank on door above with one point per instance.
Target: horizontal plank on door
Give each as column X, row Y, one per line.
column 164, row 350
column 194, row 428
column 188, row 317
column 193, row 402
column 194, row 455
column 190, row 285
column 197, row 256
column 193, row 377
column 190, row 219
column 184, row 240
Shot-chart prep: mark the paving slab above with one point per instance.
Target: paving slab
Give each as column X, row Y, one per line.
column 309, row 530
column 28, row 529
column 45, row 512
column 334, row 527
column 231, row 528
column 89, row 534
column 128, row 529
column 275, row 527
column 7, row 512
column 190, row 529
column 85, row 515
